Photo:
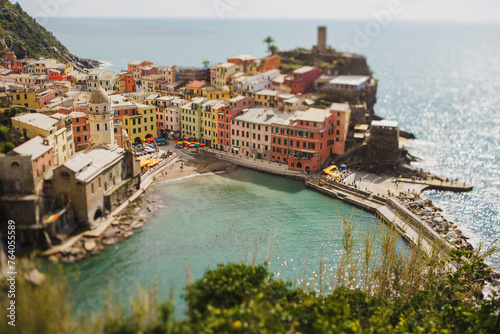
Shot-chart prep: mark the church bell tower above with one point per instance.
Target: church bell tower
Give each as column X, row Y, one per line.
column 100, row 119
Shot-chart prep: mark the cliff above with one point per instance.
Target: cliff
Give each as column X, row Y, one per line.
column 20, row 33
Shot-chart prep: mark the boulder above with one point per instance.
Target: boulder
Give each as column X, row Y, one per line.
column 89, row 245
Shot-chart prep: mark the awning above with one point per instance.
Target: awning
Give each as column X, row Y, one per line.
column 160, row 139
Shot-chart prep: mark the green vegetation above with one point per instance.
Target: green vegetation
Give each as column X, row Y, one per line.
column 20, row 33
column 290, row 65
column 9, row 138
column 383, row 291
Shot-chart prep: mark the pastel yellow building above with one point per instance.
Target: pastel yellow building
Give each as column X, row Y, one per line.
column 223, row 95
column 57, row 129
column 223, row 72
column 191, row 119
column 27, row 99
column 141, row 125
column 210, row 121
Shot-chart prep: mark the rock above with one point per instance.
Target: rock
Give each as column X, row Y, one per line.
column 137, row 225
column 115, row 223
column 109, row 242
column 89, row 245
column 128, row 234
column 125, row 228
column 452, row 235
column 110, row 233
column 150, row 208
column 54, row 258
column 140, row 219
column 35, row 277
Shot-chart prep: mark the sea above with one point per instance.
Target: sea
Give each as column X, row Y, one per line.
column 440, row 81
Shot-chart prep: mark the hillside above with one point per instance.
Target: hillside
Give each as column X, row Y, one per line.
column 20, row 33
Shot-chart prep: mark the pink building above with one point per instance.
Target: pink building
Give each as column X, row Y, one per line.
column 40, row 151
column 301, row 80
column 235, row 108
column 119, row 133
column 251, row 132
column 45, row 97
column 169, row 74
column 162, row 114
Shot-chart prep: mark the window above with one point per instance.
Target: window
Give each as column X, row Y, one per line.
column 338, row 123
column 77, row 128
column 97, row 127
column 304, row 144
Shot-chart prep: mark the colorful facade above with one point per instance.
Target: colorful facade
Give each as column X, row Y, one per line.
column 301, row 80
column 306, row 141
column 234, row 108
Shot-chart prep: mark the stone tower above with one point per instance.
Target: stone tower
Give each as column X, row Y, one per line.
column 100, row 119
column 321, row 38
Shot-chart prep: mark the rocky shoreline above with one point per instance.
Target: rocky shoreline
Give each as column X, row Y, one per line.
column 431, row 215
column 139, row 212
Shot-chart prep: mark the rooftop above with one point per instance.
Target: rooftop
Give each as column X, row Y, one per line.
column 265, row 116
column 342, row 107
column 37, row 120
column 385, row 123
column 35, row 147
column 313, row 115
column 76, row 114
column 267, row 92
column 243, row 57
column 352, row 80
column 303, row 69
column 196, row 84
column 89, row 163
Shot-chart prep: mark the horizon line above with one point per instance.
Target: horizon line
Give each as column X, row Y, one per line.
column 413, row 20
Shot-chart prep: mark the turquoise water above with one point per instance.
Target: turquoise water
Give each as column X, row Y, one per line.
column 245, row 217
column 439, row 81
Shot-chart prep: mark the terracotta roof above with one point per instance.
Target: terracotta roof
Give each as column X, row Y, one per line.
column 196, row 84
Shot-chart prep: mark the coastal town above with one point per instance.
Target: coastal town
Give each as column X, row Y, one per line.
column 79, row 147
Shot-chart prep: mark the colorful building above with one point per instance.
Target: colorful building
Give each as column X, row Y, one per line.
column 223, row 72
column 81, row 130
column 24, row 167
column 191, row 119
column 306, row 141
column 301, row 80
column 142, row 125
column 210, row 111
column 24, row 98
column 57, row 129
column 235, row 107
column 251, row 131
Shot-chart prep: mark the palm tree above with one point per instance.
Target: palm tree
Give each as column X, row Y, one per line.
column 269, row 40
column 273, row 49
column 206, row 63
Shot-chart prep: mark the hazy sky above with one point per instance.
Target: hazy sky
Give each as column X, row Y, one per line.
column 443, row 10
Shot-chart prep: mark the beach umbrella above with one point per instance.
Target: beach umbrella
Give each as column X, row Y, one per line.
column 343, row 166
